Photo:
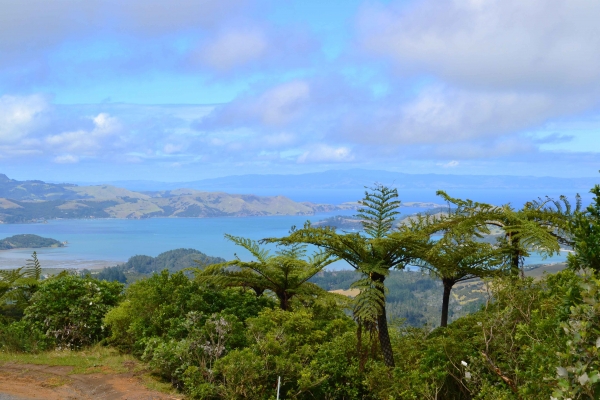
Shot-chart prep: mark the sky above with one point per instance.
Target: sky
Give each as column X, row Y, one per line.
column 180, row 90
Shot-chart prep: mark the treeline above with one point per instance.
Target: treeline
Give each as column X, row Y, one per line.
column 235, row 329
column 413, row 297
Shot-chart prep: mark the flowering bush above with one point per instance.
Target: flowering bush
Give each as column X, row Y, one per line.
column 70, row 309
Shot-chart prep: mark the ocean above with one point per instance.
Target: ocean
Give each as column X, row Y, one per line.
column 96, row 243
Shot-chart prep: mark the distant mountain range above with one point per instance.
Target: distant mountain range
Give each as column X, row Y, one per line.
column 27, row 201
column 358, row 178
column 340, row 186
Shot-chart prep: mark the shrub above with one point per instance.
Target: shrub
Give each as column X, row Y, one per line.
column 70, row 309
column 21, row 337
column 158, row 307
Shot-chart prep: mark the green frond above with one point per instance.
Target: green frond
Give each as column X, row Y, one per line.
column 33, row 268
column 252, row 246
column 379, row 210
column 370, row 301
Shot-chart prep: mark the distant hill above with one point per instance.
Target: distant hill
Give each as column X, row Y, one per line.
column 140, row 265
column 27, row 241
column 30, row 201
column 340, row 186
column 35, row 190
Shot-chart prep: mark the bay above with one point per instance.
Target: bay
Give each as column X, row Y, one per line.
column 96, row 243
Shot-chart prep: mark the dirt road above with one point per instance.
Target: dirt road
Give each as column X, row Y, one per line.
column 27, row 382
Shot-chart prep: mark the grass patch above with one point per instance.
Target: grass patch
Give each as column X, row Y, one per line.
column 97, row 359
column 155, row 383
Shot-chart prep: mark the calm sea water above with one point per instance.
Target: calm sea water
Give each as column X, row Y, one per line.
column 102, row 242
column 115, row 240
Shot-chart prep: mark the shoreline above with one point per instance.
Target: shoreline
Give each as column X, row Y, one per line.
column 18, row 258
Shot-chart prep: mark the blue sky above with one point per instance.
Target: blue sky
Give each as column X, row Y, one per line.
column 181, row 90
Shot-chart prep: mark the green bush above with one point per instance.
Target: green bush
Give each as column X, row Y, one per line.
column 21, row 337
column 70, row 309
column 158, row 307
column 508, row 350
column 284, row 344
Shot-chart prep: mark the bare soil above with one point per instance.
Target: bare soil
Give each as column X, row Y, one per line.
column 29, row 381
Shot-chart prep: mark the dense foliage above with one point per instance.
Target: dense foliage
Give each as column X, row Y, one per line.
column 140, row 266
column 172, row 260
column 70, row 309
column 586, row 236
column 226, row 334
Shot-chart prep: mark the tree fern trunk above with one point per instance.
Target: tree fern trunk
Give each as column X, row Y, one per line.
column 515, row 257
column 283, row 301
column 382, row 329
column 384, row 339
column 446, row 300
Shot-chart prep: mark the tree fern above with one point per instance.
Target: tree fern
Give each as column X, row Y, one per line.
column 286, row 273
column 372, row 254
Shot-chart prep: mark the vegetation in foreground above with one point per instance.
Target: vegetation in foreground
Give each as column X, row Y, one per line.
column 231, row 330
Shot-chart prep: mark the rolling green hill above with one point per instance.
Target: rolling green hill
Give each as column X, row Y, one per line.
column 141, row 266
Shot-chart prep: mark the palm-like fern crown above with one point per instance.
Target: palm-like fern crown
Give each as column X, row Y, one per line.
column 459, row 257
column 539, row 226
column 379, row 210
column 286, row 273
column 585, row 234
column 16, row 284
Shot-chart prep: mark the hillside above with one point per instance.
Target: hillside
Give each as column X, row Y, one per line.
column 27, row 241
column 140, row 265
column 30, row 201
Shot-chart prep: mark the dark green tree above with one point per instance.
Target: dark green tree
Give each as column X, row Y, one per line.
column 456, row 258
column 285, row 273
column 372, row 253
column 585, row 230
column 540, row 226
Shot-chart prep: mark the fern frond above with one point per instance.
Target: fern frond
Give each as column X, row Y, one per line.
column 252, row 246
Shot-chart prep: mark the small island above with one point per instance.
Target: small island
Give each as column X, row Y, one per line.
column 28, row 241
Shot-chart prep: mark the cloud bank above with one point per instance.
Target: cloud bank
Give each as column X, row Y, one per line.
column 466, row 85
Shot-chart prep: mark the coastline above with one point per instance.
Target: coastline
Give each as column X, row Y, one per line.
column 16, row 258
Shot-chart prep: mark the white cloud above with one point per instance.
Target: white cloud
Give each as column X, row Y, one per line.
column 170, row 148
column 87, row 141
column 234, row 48
column 66, row 159
column 41, row 23
column 444, row 115
column 278, row 140
column 19, row 116
column 323, row 153
column 516, row 44
column 450, row 164
column 275, row 107
column 283, row 103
